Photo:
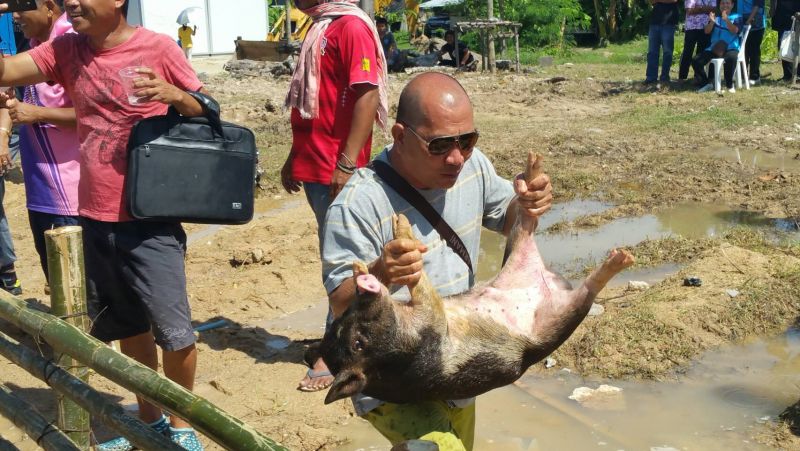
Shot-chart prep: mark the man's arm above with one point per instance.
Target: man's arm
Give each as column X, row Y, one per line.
column 5, row 135
column 752, row 15
column 364, row 110
column 24, row 113
column 19, row 70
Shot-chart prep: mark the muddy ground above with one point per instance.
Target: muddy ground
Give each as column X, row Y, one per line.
column 605, row 137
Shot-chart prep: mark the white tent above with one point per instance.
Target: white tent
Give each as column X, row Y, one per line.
column 221, row 21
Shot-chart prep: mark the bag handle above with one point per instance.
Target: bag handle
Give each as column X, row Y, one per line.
column 413, row 197
column 210, row 111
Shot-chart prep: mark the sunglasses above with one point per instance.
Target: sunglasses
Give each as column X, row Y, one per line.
column 443, row 144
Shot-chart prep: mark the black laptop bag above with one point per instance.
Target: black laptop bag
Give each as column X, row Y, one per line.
column 199, row 170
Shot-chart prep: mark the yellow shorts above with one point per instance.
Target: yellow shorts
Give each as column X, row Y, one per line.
column 452, row 428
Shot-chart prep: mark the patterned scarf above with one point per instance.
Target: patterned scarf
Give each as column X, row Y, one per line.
column 304, row 88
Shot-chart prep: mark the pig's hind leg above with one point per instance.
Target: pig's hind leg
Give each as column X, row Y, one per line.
column 556, row 318
column 616, row 262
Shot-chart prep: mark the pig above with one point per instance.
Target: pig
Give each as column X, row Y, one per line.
column 431, row 348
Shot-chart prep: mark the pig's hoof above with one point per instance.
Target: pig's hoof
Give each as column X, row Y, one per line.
column 368, row 283
column 618, row 260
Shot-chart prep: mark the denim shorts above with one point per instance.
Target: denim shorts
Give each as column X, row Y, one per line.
column 136, row 281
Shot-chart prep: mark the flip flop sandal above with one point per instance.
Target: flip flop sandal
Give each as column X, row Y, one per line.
column 313, row 375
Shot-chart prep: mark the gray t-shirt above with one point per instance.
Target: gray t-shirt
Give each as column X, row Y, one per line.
column 359, row 223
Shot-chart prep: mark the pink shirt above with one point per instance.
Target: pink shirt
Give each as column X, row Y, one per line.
column 105, row 118
column 50, row 156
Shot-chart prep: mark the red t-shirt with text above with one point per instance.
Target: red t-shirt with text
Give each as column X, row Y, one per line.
column 105, row 118
column 348, row 57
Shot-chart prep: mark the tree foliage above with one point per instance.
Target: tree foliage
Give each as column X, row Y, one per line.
column 545, row 23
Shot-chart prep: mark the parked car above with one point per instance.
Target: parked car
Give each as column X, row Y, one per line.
column 437, row 22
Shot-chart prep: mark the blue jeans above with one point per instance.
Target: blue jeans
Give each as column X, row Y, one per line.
column 41, row 222
column 660, row 37
column 318, row 196
column 7, row 256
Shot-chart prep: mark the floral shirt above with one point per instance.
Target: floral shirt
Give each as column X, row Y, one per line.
column 697, row 21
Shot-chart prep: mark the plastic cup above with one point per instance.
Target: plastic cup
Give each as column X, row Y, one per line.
column 129, row 75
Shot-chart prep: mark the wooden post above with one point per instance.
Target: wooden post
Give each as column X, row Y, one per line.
column 484, row 52
column 455, row 44
column 287, row 23
column 516, row 44
column 68, row 301
column 490, row 36
column 369, row 7
column 33, row 423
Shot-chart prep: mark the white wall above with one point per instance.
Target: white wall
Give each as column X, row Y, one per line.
column 223, row 19
column 232, row 18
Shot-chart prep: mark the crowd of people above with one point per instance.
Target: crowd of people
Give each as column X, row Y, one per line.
column 75, row 118
column 715, row 31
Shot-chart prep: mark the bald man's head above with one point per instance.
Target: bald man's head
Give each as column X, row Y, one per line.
column 427, row 93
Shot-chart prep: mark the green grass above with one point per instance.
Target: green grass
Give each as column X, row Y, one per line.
column 667, row 118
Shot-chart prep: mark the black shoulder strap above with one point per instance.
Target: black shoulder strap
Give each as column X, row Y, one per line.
column 413, row 197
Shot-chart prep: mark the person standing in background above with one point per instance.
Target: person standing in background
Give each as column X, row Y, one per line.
column 752, row 12
column 695, row 38
column 185, row 35
column 337, row 93
column 782, row 12
column 49, row 147
column 661, row 37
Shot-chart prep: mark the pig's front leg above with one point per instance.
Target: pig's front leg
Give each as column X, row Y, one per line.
column 423, row 293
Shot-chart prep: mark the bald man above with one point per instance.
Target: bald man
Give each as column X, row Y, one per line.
column 434, row 151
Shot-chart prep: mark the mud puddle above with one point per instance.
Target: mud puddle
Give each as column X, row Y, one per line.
column 718, row 405
column 757, row 160
column 568, row 252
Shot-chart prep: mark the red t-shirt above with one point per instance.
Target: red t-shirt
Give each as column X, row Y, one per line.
column 348, row 57
column 105, row 118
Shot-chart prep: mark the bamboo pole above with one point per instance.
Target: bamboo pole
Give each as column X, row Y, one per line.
column 33, row 423
column 68, row 301
column 214, row 422
column 140, row 434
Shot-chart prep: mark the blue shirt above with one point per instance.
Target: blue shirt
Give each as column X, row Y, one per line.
column 721, row 32
column 745, row 7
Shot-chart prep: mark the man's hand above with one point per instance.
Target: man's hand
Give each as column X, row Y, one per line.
column 338, row 181
column 725, row 15
column 711, row 16
column 536, row 197
column 400, row 263
column 21, row 112
column 289, row 184
column 151, row 88
column 5, row 156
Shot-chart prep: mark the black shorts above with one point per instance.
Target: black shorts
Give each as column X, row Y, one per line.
column 136, row 281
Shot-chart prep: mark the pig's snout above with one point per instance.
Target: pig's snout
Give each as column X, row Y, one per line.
column 367, row 283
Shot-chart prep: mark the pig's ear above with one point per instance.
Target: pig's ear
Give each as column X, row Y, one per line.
column 347, row 383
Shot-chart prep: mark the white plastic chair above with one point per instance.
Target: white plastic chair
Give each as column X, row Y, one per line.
column 741, row 66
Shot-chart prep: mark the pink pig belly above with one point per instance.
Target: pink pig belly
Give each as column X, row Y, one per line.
column 514, row 309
